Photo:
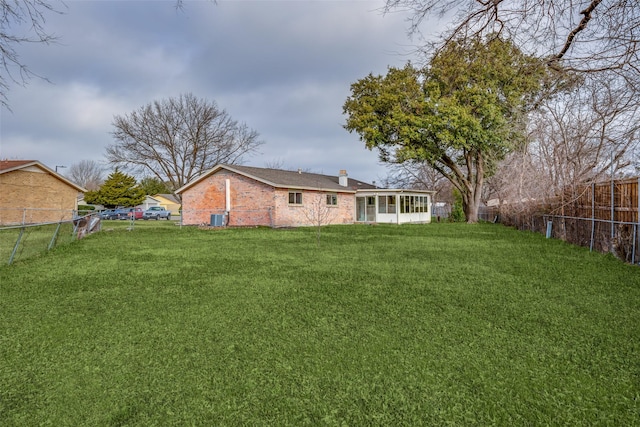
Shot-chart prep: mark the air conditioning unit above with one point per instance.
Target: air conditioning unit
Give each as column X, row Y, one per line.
column 217, row 220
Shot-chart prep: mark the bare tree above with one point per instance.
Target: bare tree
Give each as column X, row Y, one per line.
column 579, row 137
column 274, row 164
column 585, row 133
column 21, row 21
column 419, row 175
column 87, row 173
column 177, row 139
column 319, row 210
column 579, row 35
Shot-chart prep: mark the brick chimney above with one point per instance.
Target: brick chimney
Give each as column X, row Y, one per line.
column 342, row 178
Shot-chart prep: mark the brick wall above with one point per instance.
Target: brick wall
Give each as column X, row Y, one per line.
column 254, row 203
column 313, row 201
column 251, row 201
column 34, row 196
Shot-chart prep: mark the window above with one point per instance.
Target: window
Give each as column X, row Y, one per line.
column 387, row 204
column 414, row 204
column 332, row 199
column 391, row 204
column 382, row 204
column 405, row 204
column 295, row 197
column 423, row 205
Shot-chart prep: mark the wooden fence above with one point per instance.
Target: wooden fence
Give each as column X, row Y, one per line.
column 613, row 200
column 603, row 216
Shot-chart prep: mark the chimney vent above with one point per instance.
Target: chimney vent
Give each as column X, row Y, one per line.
column 342, row 179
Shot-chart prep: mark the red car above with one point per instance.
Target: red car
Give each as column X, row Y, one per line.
column 135, row 212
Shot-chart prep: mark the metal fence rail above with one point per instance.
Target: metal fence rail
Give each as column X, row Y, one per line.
column 596, row 234
column 20, row 242
column 602, row 216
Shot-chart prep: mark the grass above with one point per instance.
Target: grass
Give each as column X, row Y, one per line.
column 441, row 324
column 32, row 240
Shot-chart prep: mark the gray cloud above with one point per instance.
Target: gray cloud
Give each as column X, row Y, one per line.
column 283, row 68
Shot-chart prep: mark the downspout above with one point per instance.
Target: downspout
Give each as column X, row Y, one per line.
column 227, row 194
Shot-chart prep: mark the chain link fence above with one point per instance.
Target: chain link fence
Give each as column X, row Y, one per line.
column 27, row 240
column 603, row 217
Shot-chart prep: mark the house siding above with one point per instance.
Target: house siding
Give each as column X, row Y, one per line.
column 33, row 196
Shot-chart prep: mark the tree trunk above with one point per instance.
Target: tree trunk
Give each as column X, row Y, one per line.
column 471, row 204
column 471, row 210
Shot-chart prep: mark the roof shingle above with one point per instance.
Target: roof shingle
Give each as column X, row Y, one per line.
column 298, row 179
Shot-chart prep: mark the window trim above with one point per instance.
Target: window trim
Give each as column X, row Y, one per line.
column 332, row 199
column 297, row 198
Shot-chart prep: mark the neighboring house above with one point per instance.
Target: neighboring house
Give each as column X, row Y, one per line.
column 31, row 193
column 250, row 196
column 149, row 201
column 169, row 202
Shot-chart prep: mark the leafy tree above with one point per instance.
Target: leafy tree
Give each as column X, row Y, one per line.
column 152, row 185
column 119, row 189
column 461, row 114
column 457, row 211
column 177, row 139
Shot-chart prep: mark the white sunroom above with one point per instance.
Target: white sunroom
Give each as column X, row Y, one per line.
column 393, row 206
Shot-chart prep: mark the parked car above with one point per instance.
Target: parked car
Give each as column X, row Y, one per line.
column 106, row 214
column 114, row 214
column 134, row 212
column 120, row 213
column 156, row 212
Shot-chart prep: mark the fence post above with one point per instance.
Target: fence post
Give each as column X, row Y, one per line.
column 15, row 248
column 635, row 237
column 593, row 214
column 53, row 238
column 549, row 227
column 613, row 208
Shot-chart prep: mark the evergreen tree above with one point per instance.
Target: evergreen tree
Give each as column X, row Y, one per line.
column 119, row 189
column 152, row 185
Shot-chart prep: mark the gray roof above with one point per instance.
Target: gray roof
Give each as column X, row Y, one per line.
column 288, row 179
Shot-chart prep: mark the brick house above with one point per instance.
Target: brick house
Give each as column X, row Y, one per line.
column 251, row 196
column 31, row 193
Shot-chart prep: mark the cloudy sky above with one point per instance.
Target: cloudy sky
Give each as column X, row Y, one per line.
column 282, row 67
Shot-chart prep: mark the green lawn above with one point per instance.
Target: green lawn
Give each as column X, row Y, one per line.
column 440, row 324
